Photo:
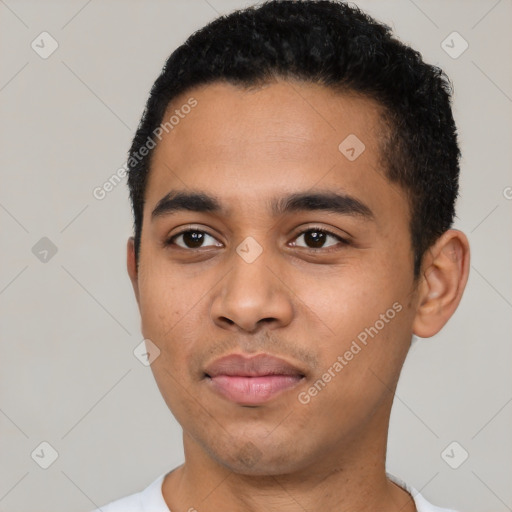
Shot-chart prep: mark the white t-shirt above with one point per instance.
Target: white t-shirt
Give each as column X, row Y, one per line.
column 151, row 499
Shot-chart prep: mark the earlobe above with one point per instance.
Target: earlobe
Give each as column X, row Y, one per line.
column 131, row 265
column 445, row 274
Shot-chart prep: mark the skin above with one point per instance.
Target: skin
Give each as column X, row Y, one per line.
column 197, row 304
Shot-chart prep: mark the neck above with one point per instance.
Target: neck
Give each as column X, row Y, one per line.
column 351, row 477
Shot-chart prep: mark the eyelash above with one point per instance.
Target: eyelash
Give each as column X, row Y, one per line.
column 343, row 241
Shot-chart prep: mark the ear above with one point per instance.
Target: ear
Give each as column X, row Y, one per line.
column 444, row 277
column 131, row 265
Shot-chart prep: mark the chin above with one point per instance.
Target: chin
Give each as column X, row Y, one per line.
column 252, row 459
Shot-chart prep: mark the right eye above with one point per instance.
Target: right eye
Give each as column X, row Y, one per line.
column 190, row 239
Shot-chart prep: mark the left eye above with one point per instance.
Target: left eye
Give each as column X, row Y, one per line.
column 316, row 238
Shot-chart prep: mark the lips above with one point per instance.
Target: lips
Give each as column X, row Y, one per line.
column 252, row 380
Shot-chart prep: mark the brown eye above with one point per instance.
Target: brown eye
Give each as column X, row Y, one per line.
column 191, row 239
column 315, row 238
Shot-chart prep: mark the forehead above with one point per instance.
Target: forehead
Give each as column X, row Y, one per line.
column 250, row 144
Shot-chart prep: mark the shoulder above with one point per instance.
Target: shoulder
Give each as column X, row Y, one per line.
column 132, row 503
column 149, row 499
column 422, row 505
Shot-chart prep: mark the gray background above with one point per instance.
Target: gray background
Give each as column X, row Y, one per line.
column 70, row 324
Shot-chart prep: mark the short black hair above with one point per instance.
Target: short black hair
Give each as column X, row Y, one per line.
column 339, row 46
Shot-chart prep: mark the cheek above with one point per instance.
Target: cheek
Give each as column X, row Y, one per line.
column 355, row 378
column 172, row 313
column 368, row 323
column 344, row 301
column 163, row 301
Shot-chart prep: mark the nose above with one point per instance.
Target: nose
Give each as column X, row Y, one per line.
column 252, row 295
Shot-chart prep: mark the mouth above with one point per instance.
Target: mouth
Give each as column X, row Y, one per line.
column 254, row 380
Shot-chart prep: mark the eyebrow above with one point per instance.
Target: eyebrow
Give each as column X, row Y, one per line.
column 332, row 202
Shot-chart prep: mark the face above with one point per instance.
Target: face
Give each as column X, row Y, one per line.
column 298, row 248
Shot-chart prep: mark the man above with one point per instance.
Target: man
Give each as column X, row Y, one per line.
column 293, row 182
